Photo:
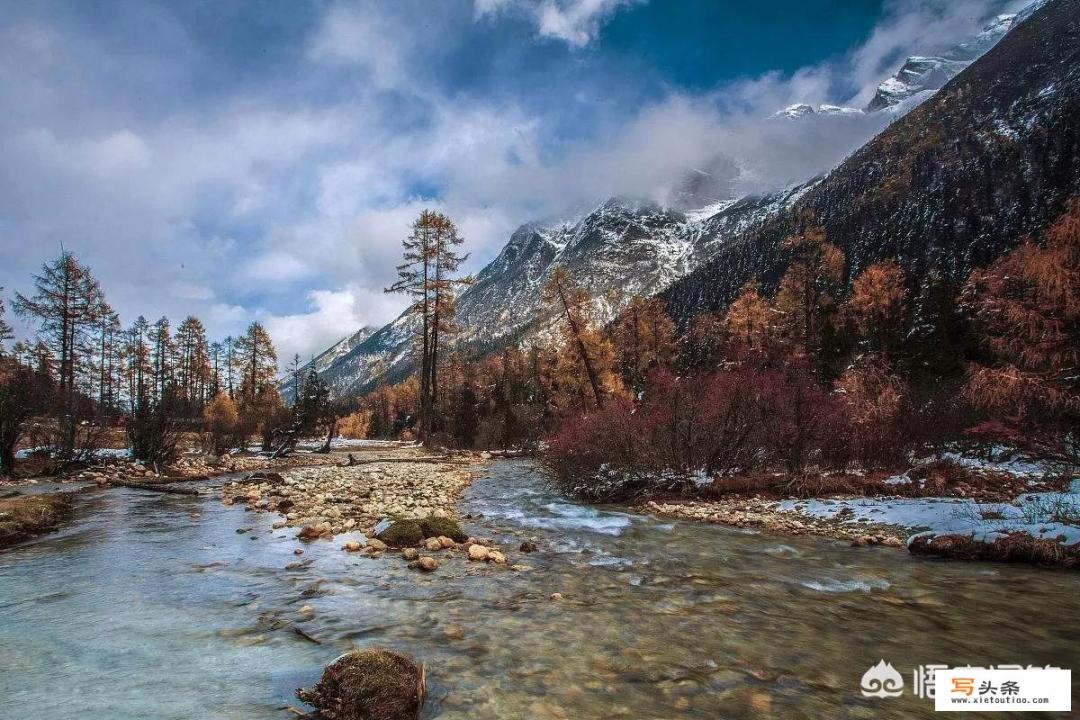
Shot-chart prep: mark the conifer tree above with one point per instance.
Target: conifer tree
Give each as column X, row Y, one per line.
column 426, row 277
column 644, row 338
column 805, row 300
column 6, row 332
column 573, row 309
column 67, row 303
column 257, row 360
column 1027, row 306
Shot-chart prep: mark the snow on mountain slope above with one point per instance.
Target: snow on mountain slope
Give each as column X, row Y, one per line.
column 621, row 249
column 920, row 76
column 988, row 160
column 624, row 248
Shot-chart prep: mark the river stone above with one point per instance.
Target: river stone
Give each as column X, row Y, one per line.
column 410, row 554
column 376, row 544
column 496, row 557
column 352, row 546
column 373, row 684
column 446, row 542
column 432, row 544
column 478, row 552
column 428, row 564
column 527, row 547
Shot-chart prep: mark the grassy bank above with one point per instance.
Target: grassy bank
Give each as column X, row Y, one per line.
column 22, row 518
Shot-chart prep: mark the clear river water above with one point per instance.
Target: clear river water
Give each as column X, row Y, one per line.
column 154, row 607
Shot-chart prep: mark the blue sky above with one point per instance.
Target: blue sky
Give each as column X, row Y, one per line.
column 262, row 160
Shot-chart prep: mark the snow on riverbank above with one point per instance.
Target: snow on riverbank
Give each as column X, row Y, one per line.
column 1050, row 515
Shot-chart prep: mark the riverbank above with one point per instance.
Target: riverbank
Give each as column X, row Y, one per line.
column 111, row 464
column 769, row 516
column 1039, row 526
column 28, row 516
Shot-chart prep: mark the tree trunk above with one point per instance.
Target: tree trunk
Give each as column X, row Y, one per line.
column 594, row 380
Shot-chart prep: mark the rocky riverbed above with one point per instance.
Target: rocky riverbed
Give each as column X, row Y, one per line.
column 404, row 483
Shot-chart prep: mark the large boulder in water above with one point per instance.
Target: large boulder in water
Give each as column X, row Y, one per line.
column 433, row 527
column 373, row 684
column 401, row 533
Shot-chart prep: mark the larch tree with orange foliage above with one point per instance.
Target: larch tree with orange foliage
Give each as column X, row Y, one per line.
column 644, row 338
column 749, row 327
column 1027, row 308
column 876, row 310
column 221, row 418
column 588, row 351
column 805, row 300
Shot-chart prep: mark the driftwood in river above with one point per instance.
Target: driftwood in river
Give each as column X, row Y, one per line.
column 154, row 487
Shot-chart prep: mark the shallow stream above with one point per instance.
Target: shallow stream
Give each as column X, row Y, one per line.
column 153, row 606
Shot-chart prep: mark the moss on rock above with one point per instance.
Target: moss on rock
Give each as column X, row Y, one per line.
column 432, row 526
column 402, row 533
column 372, row 684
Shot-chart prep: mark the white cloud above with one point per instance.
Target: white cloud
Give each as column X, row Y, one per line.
column 247, row 200
column 360, row 35
column 575, row 22
column 332, row 315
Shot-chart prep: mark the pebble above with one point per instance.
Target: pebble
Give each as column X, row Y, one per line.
column 428, row 564
column 432, row 545
column 410, row 554
column 478, row 552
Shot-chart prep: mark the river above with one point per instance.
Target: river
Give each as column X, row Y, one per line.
column 154, row 607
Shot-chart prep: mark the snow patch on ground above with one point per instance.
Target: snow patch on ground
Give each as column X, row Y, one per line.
column 1051, row 516
column 98, row 454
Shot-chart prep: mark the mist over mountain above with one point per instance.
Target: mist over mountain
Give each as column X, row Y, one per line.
column 1002, row 113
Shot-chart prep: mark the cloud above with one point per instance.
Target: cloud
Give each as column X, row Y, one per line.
column 358, row 35
column 575, row 22
column 332, row 314
column 236, row 189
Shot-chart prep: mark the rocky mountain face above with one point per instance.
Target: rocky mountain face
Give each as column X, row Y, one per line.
column 920, row 76
column 618, row 250
column 339, row 349
column 987, row 159
column 990, row 158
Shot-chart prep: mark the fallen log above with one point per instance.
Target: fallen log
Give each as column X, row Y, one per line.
column 369, row 461
column 172, row 489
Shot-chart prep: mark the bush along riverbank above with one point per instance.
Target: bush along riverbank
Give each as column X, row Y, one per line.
column 952, row 507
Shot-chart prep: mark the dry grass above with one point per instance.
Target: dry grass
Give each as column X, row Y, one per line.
column 784, row 486
column 373, row 684
column 24, row 517
column 1014, row 547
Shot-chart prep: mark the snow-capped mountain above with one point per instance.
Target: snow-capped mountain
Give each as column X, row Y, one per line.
column 342, row 347
column 990, row 159
column 621, row 249
column 949, row 185
column 801, row 110
column 920, row 76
